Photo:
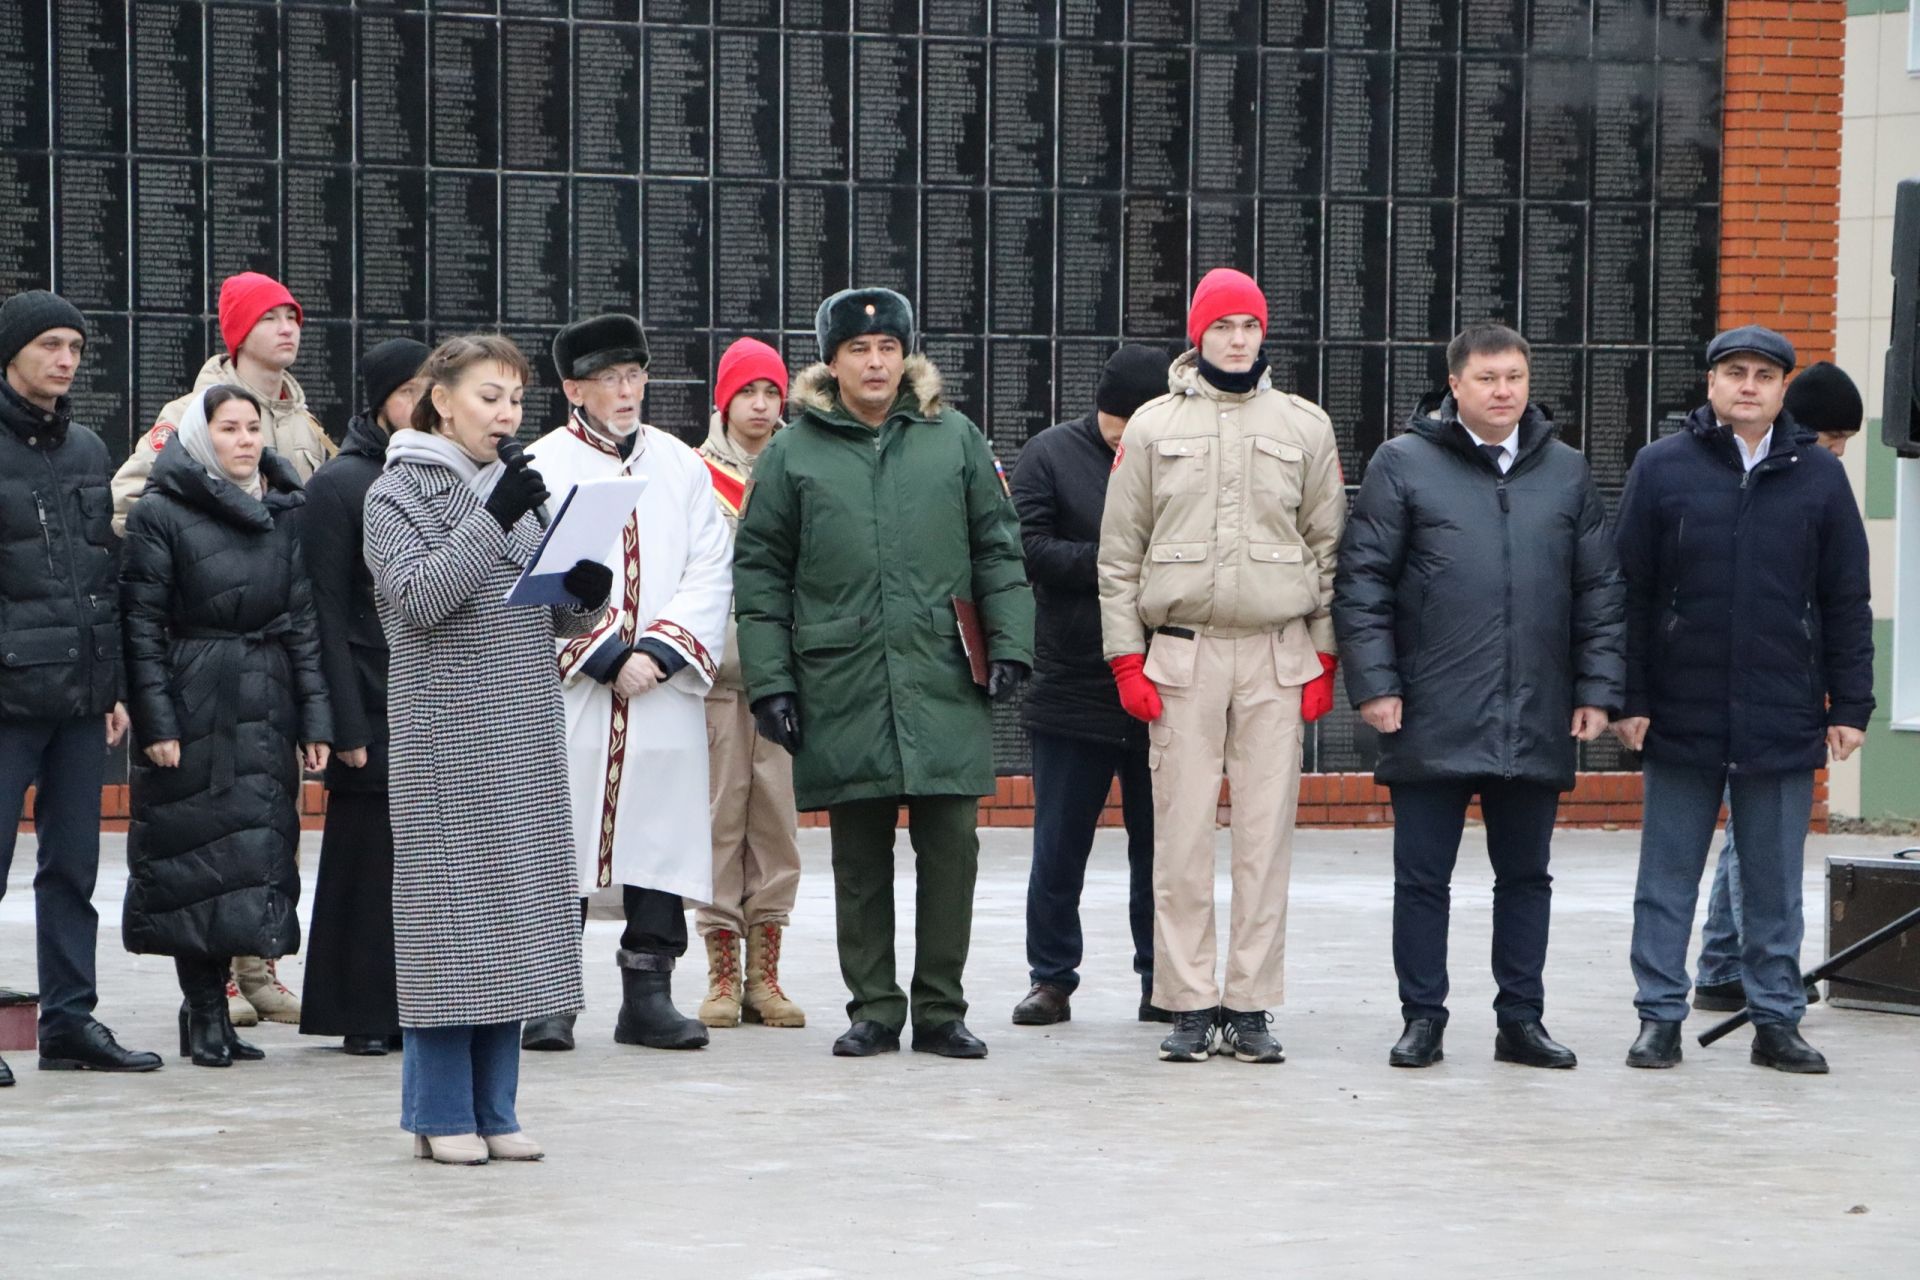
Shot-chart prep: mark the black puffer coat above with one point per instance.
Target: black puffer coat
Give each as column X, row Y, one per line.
column 1747, row 600
column 1059, row 490
column 222, row 656
column 59, row 607
column 1491, row 604
column 353, row 648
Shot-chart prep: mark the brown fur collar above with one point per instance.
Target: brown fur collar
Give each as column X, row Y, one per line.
column 816, row 388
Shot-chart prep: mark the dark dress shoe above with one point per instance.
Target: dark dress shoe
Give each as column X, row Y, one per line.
column 1657, row 1045
column 1045, row 1005
column 365, row 1046
column 1777, row 1045
column 6, row 1074
column 93, row 1048
column 865, row 1039
column 1151, row 1012
column 1720, row 997
column 1419, row 1044
column 549, row 1035
column 1527, row 1044
column 949, row 1040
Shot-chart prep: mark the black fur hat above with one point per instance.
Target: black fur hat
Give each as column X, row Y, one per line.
column 588, row 346
column 852, row 313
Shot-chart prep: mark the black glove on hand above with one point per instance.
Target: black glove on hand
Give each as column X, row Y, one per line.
column 777, row 717
column 519, row 491
column 1004, row 679
column 589, row 582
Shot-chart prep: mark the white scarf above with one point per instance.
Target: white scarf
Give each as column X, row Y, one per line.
column 196, row 437
column 427, row 449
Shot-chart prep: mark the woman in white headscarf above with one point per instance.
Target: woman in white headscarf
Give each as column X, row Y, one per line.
column 228, row 704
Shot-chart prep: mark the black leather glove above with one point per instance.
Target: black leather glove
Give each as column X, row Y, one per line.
column 1004, row 678
column 519, row 491
column 589, row 582
column 777, row 717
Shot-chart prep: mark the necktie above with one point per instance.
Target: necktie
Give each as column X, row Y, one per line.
column 1493, row 453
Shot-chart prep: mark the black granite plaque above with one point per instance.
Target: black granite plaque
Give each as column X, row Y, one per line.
column 954, row 143
column 1296, row 24
column 606, row 99
column 101, row 396
column 26, row 250
column 681, row 407
column 677, row 12
column 1560, row 26
column 1491, row 140
column 1226, row 120
column 90, row 75
column 1158, row 119
column 680, row 355
column 963, row 370
column 1686, row 262
column 393, row 93
column 1077, row 366
column 1494, row 26
column 1616, row 422
column 746, row 104
column 1021, row 154
column 678, row 80
column 1424, row 128
column 816, row 261
column 606, row 246
column 1353, row 392
column 886, row 109
column 1012, row 19
column 242, row 78
column 1427, row 26
column 956, row 17
column 886, row 238
column 24, row 79
column 1229, row 22
column 1342, row 742
column 1687, row 166
column 746, row 255
column 1089, row 230
column 1623, row 131
column 888, row 17
column 1692, row 30
column 543, row 405
column 1679, row 387
column 1489, row 258
column 1294, row 368
column 1359, row 124
column 1289, row 271
column 674, row 254
column 166, row 73
column 1620, row 259
column 535, row 59
column 533, row 250
column 1559, row 129
column 463, row 98
column 1420, row 292
column 1154, row 267
column 1019, row 262
column 1292, row 123
column 819, row 107
column 169, row 214
column 1416, row 379
column 1357, row 272
column 167, row 354
column 318, row 119
column 1553, row 279
column 1223, row 235
column 1160, row 21
column 243, row 223
column 1019, row 395
column 1360, row 24
column 325, row 371
column 1092, row 20
column 90, row 195
column 819, row 15
column 953, row 262
column 1092, row 84
column 464, row 239
column 393, row 243
column 1624, row 28
column 317, row 239
column 1556, row 382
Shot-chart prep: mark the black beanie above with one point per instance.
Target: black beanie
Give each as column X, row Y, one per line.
column 1134, row 375
column 1823, row 398
column 386, row 367
column 25, row 316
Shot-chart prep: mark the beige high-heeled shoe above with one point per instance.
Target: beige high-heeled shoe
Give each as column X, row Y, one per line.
column 514, row 1146
column 462, row 1148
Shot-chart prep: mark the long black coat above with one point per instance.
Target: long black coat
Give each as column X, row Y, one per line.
column 353, row 647
column 59, row 609
column 1491, row 604
column 1059, row 491
column 1747, row 600
column 221, row 656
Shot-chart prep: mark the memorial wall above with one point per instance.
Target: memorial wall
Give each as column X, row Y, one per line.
column 1044, row 178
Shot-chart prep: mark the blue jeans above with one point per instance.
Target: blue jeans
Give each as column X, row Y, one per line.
column 67, row 759
column 456, row 1080
column 1071, row 778
column 1682, row 807
column 1720, row 935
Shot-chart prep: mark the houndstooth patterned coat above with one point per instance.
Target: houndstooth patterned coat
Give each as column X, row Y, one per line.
column 486, row 906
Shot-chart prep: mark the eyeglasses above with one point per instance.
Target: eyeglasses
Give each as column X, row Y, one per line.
column 613, row 379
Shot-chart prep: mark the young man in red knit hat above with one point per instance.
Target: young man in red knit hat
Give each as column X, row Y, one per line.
column 260, row 324
column 1217, row 548
column 756, row 863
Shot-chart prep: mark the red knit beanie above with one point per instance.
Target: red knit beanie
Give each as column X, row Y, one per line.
column 244, row 299
column 744, row 361
column 1224, row 292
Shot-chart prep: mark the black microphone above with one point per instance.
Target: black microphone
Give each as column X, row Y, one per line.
column 513, row 455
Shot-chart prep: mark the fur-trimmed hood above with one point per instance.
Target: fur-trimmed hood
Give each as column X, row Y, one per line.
column 817, row 391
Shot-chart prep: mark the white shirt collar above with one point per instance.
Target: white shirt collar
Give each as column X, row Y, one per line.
column 1509, row 448
column 1751, row 458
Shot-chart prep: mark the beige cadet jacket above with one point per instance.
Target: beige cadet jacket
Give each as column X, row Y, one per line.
column 721, row 451
column 1223, row 512
column 291, row 432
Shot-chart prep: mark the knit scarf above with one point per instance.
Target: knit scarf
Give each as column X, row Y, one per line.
column 1234, row 384
column 427, row 449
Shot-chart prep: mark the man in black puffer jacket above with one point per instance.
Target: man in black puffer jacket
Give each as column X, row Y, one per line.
column 59, row 664
column 1478, row 607
column 1082, row 738
column 1749, row 662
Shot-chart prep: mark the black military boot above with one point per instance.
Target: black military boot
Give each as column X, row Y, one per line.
column 1419, row 1044
column 1193, row 1036
column 647, row 1016
column 1657, row 1045
column 1778, row 1045
column 549, row 1035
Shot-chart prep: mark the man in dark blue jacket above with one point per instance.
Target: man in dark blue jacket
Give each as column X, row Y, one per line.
column 1082, row 737
column 59, row 664
column 1749, row 662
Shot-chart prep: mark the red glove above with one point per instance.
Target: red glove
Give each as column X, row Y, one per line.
column 1316, row 696
column 1137, row 694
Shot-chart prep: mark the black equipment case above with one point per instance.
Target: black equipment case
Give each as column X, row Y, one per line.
column 1865, row 894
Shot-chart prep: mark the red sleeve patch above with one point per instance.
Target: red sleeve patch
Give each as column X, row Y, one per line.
column 161, row 433
column 1119, row 452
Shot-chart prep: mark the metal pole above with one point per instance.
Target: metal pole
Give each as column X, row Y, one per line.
column 1826, row 969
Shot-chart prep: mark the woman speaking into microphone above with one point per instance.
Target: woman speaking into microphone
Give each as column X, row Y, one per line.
column 485, row 896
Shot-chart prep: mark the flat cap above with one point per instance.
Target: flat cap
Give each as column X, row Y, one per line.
column 587, row 346
column 1751, row 339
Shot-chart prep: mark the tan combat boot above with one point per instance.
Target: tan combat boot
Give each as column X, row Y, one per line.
column 721, row 1008
column 260, row 984
column 239, row 1011
column 765, row 1001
